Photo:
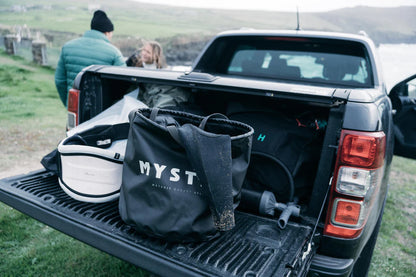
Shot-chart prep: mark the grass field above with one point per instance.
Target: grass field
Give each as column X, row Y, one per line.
column 395, row 253
column 32, row 121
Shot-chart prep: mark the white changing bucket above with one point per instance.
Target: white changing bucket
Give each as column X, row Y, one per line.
column 91, row 164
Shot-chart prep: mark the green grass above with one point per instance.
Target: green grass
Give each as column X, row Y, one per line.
column 31, row 115
column 395, row 253
column 30, row 248
column 32, row 121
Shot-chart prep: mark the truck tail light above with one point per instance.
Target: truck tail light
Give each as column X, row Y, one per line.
column 363, row 150
column 357, row 178
column 73, row 111
column 347, row 212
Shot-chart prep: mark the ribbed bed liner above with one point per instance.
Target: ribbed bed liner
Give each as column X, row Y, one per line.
column 255, row 247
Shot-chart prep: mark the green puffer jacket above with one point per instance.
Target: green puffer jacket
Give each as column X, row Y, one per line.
column 92, row 48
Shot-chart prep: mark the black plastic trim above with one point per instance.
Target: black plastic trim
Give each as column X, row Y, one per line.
column 328, row 266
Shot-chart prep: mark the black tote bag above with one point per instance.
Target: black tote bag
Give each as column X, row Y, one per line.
column 285, row 150
column 182, row 174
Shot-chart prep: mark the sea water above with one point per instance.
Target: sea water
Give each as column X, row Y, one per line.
column 398, row 62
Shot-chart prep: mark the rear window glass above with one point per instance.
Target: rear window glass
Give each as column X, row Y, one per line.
column 332, row 62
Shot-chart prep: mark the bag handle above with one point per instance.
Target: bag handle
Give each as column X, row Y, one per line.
column 214, row 115
column 173, row 129
column 153, row 114
column 174, row 133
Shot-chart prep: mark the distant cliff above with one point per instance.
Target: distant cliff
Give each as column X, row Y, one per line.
column 383, row 25
column 183, row 32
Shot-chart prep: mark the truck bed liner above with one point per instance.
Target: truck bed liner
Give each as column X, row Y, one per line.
column 255, row 247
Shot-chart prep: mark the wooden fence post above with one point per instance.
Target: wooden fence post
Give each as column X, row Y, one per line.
column 10, row 43
column 39, row 52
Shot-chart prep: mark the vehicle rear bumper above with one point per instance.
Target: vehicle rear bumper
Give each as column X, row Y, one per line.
column 328, row 266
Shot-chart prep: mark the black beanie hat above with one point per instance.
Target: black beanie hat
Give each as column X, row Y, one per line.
column 101, row 22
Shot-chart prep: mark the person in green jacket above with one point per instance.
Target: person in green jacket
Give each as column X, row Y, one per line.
column 94, row 47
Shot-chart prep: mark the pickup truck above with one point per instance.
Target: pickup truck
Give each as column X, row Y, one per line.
column 330, row 84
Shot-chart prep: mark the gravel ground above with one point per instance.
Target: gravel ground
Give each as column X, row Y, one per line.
column 22, row 150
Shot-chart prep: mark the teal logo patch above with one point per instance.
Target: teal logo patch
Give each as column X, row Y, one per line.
column 261, row 137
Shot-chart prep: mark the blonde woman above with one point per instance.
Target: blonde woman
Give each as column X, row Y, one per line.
column 151, row 56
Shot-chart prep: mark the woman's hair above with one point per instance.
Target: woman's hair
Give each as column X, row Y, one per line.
column 158, row 57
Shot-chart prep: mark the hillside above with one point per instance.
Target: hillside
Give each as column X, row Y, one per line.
column 137, row 19
column 184, row 31
column 383, row 25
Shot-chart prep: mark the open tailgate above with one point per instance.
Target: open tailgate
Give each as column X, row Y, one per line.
column 255, row 247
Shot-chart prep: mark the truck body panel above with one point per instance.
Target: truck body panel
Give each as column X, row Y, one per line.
column 355, row 107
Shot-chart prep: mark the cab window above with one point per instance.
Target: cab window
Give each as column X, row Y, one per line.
column 321, row 61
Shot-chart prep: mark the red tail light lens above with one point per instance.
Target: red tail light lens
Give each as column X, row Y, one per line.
column 73, row 105
column 73, row 100
column 347, row 212
column 356, row 180
column 341, row 232
column 363, row 150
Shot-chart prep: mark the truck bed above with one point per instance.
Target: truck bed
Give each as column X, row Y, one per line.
column 255, row 247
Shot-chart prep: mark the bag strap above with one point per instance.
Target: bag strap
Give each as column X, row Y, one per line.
column 76, row 139
column 52, row 161
column 172, row 128
column 103, row 135
column 199, row 148
column 153, row 114
column 211, row 158
column 214, row 115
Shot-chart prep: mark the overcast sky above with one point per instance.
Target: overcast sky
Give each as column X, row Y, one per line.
column 282, row 5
